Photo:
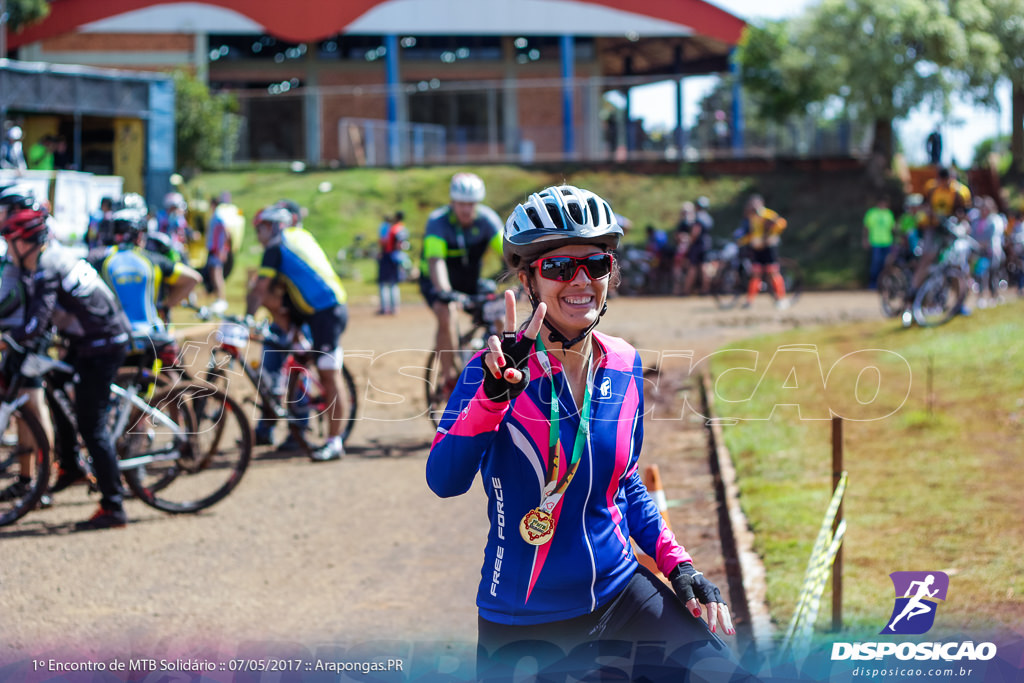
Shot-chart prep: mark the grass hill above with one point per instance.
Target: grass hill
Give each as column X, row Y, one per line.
column 346, row 206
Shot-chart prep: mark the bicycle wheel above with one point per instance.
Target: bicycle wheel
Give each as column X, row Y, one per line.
column 28, row 448
column 893, row 284
column 792, row 277
column 189, row 452
column 940, row 298
column 728, row 287
column 309, row 415
column 437, row 391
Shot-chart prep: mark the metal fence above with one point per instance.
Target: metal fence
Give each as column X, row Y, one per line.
column 368, row 142
column 518, row 122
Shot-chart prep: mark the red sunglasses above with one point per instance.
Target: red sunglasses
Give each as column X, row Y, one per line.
column 565, row 268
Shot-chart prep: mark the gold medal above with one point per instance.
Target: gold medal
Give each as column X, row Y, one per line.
column 537, row 527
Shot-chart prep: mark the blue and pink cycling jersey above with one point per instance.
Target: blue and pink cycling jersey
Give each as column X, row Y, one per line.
column 589, row 560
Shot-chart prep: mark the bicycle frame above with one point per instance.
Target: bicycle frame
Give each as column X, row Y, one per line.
column 58, row 374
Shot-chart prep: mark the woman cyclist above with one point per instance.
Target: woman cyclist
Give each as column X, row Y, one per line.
column 553, row 422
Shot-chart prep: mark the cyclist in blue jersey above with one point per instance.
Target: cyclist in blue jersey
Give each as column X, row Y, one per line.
column 293, row 258
column 456, row 239
column 553, row 424
column 143, row 281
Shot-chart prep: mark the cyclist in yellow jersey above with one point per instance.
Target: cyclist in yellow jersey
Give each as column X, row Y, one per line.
column 293, row 258
column 944, row 197
column 763, row 227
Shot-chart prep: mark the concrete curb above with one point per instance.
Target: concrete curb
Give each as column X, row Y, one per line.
column 739, row 539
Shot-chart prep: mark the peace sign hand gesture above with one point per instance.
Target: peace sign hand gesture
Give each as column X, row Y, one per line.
column 505, row 364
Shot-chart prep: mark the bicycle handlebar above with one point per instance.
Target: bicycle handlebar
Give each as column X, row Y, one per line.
column 259, row 330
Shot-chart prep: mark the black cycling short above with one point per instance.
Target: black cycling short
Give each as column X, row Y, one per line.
column 428, row 291
column 645, row 631
column 326, row 327
column 767, row 256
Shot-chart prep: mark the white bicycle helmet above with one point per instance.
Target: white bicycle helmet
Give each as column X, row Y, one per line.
column 134, row 200
column 467, row 187
column 278, row 216
column 174, row 200
column 556, row 216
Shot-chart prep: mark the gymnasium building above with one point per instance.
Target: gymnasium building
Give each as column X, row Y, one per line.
column 397, row 82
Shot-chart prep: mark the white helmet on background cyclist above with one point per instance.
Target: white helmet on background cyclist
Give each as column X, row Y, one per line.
column 174, row 200
column 467, row 187
column 276, row 216
column 135, row 201
column 556, row 216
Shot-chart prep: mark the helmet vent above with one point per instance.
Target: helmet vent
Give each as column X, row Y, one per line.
column 575, row 213
column 534, row 217
column 556, row 216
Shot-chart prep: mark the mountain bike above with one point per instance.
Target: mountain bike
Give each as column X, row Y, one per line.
column 734, row 270
column 895, row 285
column 941, row 296
column 487, row 313
column 180, row 449
column 24, row 448
column 296, row 396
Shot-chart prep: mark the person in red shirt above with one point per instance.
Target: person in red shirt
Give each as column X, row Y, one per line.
column 393, row 239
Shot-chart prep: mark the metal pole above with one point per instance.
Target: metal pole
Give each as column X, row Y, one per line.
column 3, row 29
column 837, row 567
column 394, row 84
column 737, row 106
column 567, row 47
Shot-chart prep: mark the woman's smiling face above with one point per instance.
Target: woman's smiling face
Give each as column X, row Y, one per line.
column 575, row 305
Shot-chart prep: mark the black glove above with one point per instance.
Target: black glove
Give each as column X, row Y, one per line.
column 688, row 583
column 516, row 353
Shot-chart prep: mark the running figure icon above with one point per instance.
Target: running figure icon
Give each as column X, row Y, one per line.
column 916, row 605
column 917, row 595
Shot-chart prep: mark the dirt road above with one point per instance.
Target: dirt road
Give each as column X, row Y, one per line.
column 306, row 558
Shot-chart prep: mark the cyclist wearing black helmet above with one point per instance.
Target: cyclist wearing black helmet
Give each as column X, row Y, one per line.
column 63, row 290
column 143, row 281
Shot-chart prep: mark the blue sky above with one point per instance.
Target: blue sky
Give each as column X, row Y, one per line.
column 962, row 132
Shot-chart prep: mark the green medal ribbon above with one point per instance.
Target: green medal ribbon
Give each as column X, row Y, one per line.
column 553, row 491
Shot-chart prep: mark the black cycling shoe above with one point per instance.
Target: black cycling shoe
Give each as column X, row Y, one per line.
column 66, row 478
column 264, row 439
column 103, row 519
column 18, row 489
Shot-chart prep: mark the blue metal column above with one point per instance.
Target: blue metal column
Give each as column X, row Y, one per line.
column 677, row 63
column 394, row 136
column 568, row 49
column 160, row 145
column 680, row 131
column 737, row 104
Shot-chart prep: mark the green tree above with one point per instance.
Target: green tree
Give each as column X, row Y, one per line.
column 1007, row 26
column 879, row 58
column 207, row 129
column 21, row 13
column 782, row 79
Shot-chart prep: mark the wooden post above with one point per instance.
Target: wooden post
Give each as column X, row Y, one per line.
column 837, row 567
